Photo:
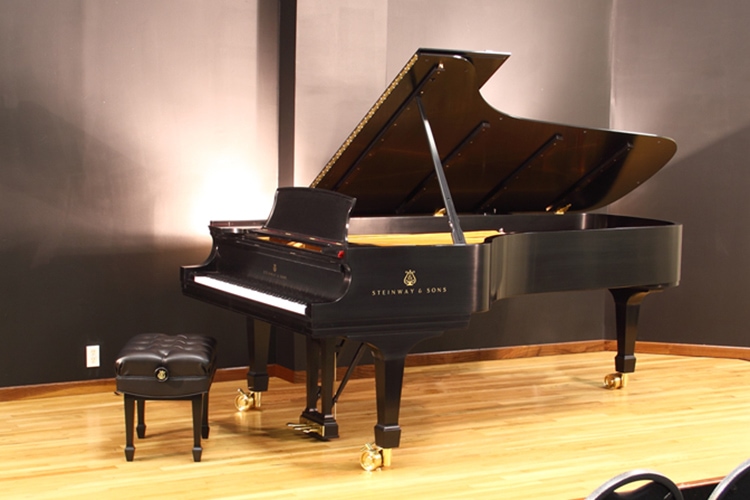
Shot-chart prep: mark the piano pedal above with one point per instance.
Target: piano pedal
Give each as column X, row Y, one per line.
column 374, row 457
column 298, row 427
column 307, row 427
column 615, row 381
column 246, row 400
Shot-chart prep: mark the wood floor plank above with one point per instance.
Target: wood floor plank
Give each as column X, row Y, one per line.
column 517, row 428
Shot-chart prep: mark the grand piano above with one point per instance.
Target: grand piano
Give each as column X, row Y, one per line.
column 436, row 206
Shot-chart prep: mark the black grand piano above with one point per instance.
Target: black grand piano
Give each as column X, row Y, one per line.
column 436, row 206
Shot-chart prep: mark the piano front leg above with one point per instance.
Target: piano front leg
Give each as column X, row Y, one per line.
column 258, row 341
column 627, row 306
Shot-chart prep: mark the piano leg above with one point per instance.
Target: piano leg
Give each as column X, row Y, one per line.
column 627, row 306
column 321, row 375
column 258, row 341
column 389, row 354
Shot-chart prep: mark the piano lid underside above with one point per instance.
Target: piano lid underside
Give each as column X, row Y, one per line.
column 494, row 163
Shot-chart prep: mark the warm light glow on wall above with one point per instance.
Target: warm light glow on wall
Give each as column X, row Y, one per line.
column 230, row 188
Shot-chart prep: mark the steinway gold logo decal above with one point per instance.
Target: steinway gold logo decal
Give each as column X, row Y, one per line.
column 411, row 288
column 274, row 273
column 161, row 374
column 411, row 278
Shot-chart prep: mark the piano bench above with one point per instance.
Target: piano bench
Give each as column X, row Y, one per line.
column 157, row 366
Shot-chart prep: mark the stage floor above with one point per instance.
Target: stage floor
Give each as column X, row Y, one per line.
column 512, row 429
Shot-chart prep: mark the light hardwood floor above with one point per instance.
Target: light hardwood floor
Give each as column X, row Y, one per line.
column 535, row 428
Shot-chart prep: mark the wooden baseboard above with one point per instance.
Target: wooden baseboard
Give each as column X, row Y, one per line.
column 420, row 359
column 692, row 350
column 56, row 389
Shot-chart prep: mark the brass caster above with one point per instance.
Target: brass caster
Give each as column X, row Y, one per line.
column 244, row 400
column 374, row 457
column 616, row 381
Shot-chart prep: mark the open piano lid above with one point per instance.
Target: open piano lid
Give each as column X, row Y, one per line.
column 493, row 162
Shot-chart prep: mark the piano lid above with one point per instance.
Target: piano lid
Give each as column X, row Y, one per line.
column 494, row 163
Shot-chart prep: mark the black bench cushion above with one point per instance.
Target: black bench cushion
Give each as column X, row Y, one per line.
column 185, row 363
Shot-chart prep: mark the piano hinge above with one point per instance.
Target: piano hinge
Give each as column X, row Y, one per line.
column 349, row 140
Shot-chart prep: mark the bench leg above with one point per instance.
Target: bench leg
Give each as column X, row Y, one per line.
column 197, row 424
column 129, row 421
column 141, row 427
column 204, row 423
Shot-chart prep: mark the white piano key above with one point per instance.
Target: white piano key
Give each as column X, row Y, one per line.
column 251, row 294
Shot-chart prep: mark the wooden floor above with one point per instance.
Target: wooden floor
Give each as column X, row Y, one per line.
column 540, row 428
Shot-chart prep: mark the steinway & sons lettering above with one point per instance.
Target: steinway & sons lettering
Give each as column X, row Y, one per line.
column 411, row 291
column 410, row 280
column 273, row 273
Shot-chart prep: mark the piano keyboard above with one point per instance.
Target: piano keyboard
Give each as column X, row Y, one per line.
column 251, row 294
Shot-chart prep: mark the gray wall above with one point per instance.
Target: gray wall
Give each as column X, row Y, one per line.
column 348, row 52
column 681, row 69
column 126, row 126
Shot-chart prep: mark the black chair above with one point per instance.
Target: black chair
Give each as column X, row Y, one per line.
column 735, row 486
column 656, row 487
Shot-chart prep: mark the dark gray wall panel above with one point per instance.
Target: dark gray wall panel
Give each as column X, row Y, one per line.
column 124, row 128
column 681, row 69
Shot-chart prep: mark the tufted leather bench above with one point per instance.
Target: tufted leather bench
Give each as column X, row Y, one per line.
column 159, row 366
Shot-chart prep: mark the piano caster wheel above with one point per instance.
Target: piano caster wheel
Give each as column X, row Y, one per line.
column 616, row 381
column 374, row 457
column 244, row 401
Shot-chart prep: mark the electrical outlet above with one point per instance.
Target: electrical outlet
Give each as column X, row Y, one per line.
column 92, row 356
